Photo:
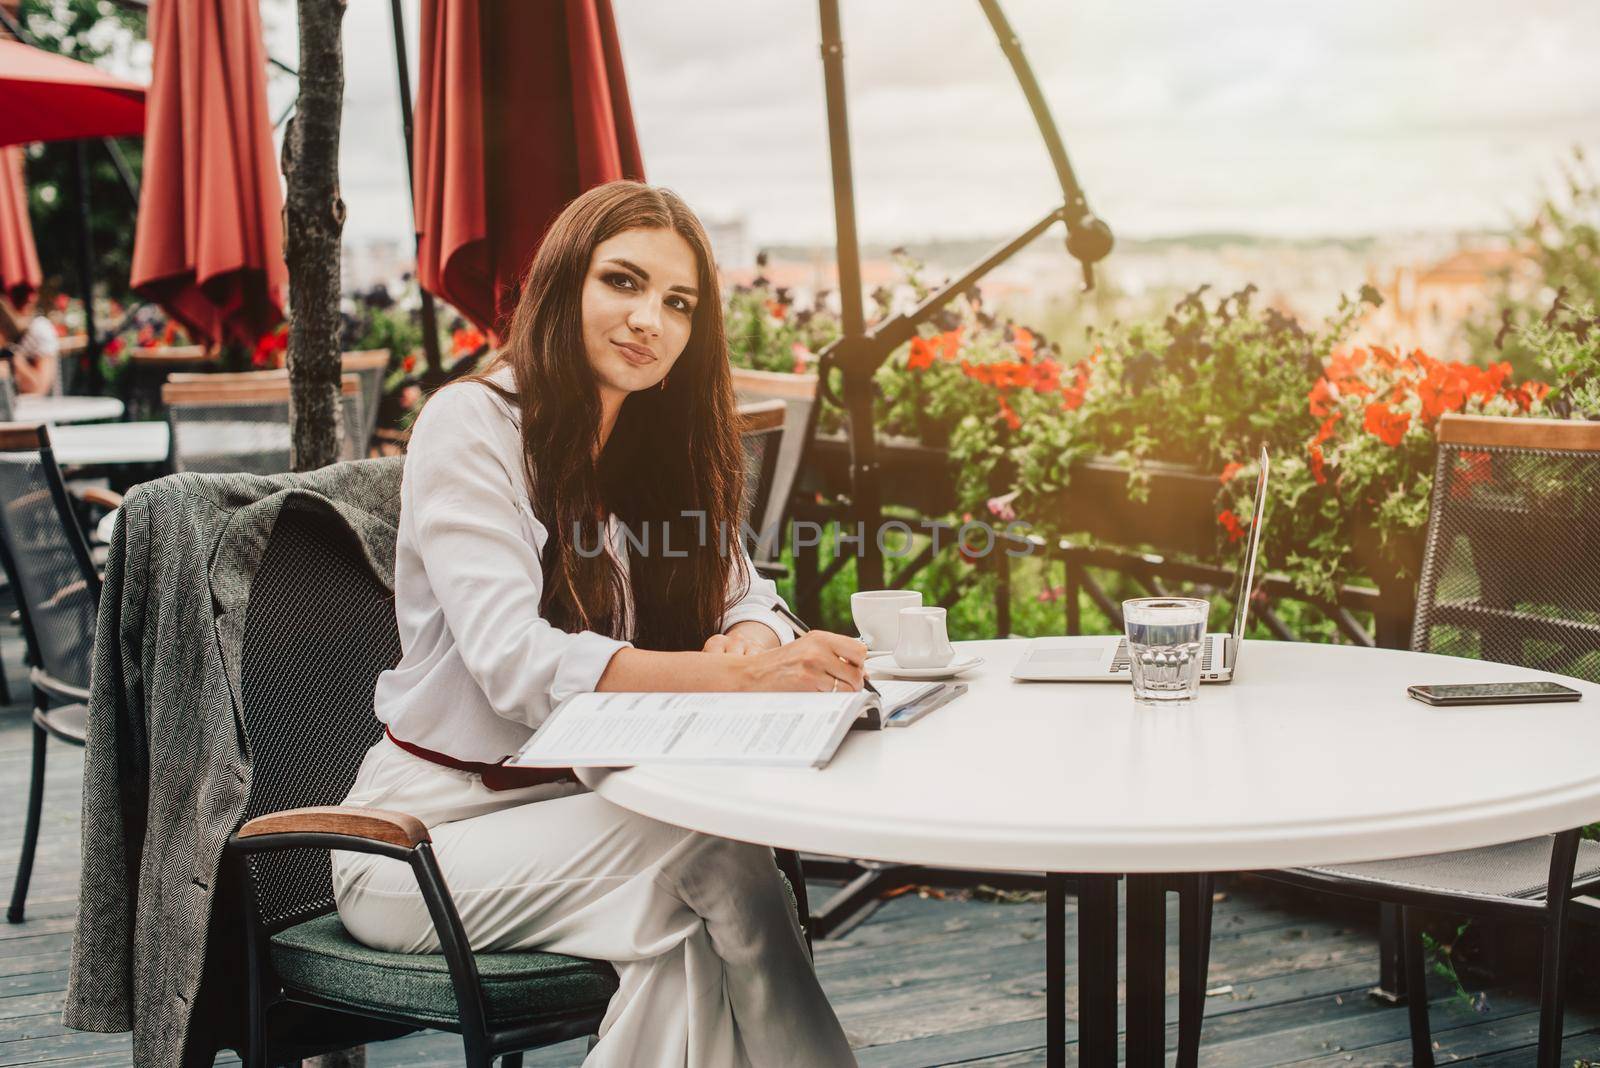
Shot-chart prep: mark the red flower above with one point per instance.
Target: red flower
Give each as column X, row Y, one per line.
column 1228, row 472
column 1471, row 469
column 776, row 310
column 1317, row 469
column 1022, row 341
column 61, row 302
column 1325, row 431
column 1072, row 396
column 1046, row 376
column 1008, row 415
column 1389, row 426
column 466, row 340
column 921, row 357
column 114, row 347
column 409, row 364
column 1344, row 365
column 1322, row 394
column 1231, row 524
column 950, row 344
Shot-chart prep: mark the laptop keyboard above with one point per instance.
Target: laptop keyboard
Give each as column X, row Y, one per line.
column 1121, row 661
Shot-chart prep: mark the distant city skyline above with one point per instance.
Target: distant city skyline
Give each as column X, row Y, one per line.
column 1256, row 117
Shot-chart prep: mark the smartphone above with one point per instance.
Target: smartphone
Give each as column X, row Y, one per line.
column 1493, row 693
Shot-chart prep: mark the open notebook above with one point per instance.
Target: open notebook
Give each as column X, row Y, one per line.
column 607, row 730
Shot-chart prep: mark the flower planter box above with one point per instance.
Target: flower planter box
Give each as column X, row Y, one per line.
column 1179, row 514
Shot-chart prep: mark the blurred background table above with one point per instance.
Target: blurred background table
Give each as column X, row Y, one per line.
column 66, row 409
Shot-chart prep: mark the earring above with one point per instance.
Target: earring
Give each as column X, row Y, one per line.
column 664, row 381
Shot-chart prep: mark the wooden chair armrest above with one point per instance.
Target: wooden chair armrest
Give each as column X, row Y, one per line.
column 392, row 828
column 98, row 496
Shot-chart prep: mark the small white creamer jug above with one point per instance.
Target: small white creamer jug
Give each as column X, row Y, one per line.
column 923, row 642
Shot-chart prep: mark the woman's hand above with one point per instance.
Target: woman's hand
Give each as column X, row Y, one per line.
column 815, row 661
column 733, row 645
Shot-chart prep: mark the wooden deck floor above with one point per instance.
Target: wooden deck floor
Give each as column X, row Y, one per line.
column 925, row 981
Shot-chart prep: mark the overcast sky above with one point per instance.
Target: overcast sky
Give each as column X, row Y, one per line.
column 1269, row 116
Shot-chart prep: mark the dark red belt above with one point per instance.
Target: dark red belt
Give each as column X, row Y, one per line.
column 496, row 776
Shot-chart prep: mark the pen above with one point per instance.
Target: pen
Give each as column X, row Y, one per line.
column 800, row 628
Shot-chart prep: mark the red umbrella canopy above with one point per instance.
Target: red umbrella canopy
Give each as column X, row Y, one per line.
column 19, row 260
column 520, row 108
column 209, row 243
column 46, row 97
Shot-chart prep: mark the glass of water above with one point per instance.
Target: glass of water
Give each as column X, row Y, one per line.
column 1165, row 640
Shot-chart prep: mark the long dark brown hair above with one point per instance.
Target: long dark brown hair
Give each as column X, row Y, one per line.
column 672, row 450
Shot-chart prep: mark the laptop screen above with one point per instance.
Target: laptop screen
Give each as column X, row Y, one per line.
column 1244, row 579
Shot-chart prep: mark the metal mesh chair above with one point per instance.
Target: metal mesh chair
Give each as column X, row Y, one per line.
column 47, row 562
column 221, row 426
column 799, row 396
column 1511, row 573
column 319, row 629
column 761, row 432
column 368, row 367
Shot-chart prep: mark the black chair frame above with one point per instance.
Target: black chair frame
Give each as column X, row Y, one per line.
column 1551, row 915
column 269, row 1043
column 46, row 687
column 268, row 995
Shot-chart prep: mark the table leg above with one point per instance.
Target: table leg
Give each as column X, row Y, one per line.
column 1097, row 971
column 1147, row 971
column 1055, row 971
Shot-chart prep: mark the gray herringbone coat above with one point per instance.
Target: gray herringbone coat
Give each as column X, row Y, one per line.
column 166, row 774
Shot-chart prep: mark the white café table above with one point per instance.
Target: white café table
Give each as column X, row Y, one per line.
column 35, row 408
column 105, row 444
column 1309, row 758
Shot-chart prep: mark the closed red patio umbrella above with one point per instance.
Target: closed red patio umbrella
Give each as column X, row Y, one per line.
column 19, row 259
column 46, row 97
column 520, row 108
column 209, row 245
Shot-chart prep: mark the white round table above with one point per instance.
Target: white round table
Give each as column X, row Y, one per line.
column 106, row 444
column 1314, row 755
column 34, row 408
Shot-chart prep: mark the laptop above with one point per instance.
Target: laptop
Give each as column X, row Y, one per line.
column 1104, row 658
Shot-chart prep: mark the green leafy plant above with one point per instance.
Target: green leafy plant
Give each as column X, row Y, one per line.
column 768, row 331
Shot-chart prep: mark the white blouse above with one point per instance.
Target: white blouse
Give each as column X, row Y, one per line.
column 480, row 669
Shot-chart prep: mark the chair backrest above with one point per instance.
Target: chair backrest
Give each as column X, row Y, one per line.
column 761, row 430
column 1511, row 572
column 46, row 557
column 319, row 629
column 368, row 366
column 799, row 396
column 243, row 425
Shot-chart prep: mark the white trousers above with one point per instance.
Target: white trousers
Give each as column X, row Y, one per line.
column 711, row 959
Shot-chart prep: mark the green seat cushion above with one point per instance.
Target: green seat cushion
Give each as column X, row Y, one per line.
column 320, row 958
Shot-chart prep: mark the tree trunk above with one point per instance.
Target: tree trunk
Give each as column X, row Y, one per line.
column 313, row 219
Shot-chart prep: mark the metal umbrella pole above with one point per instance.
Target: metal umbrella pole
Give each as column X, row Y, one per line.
column 859, row 352
column 857, row 355
column 430, row 328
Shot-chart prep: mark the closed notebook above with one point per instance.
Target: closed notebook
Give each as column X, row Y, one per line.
column 606, row 730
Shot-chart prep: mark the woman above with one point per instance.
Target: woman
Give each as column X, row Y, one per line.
column 610, row 406
column 28, row 342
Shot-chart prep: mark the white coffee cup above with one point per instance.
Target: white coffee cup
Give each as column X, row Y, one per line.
column 923, row 642
column 877, row 615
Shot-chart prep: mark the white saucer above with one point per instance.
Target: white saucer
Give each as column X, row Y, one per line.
column 884, row 664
